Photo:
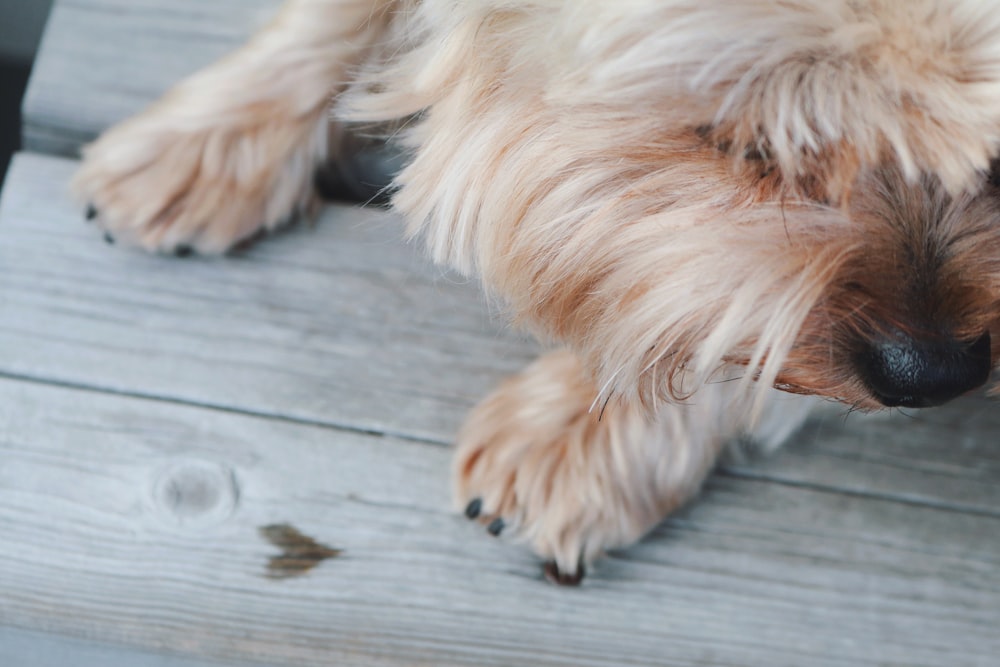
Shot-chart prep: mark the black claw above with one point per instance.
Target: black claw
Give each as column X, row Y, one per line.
column 108, row 238
column 473, row 509
column 91, row 213
column 496, row 527
column 182, row 251
column 554, row 576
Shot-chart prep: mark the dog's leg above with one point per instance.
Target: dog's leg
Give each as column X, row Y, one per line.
column 232, row 150
column 539, row 459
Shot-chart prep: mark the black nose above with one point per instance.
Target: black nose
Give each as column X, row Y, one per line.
column 918, row 373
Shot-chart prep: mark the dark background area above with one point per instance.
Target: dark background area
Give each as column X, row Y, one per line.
column 13, row 77
column 21, row 24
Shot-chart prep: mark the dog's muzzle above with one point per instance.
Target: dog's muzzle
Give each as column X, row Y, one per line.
column 911, row 373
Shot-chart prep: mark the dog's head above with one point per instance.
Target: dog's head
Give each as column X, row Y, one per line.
column 802, row 189
column 875, row 128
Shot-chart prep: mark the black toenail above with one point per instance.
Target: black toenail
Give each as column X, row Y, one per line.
column 553, row 574
column 108, row 238
column 91, row 212
column 473, row 509
column 496, row 527
column 182, row 251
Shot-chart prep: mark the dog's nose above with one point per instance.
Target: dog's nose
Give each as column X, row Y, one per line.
column 912, row 373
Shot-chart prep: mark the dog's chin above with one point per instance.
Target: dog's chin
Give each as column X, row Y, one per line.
column 854, row 400
column 856, row 392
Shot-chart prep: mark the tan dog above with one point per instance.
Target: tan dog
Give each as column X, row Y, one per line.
column 703, row 202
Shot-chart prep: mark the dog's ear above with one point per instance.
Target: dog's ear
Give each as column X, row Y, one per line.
column 826, row 87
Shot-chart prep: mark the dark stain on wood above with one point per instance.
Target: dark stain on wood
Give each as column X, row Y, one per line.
column 299, row 553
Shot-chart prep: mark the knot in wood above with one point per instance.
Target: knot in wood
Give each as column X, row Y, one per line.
column 196, row 492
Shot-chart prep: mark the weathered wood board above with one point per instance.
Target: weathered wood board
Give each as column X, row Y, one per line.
column 128, row 374
column 156, row 413
column 102, row 60
column 339, row 323
column 136, row 521
column 27, row 648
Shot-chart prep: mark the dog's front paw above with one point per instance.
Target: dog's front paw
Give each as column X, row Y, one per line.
column 535, row 462
column 169, row 183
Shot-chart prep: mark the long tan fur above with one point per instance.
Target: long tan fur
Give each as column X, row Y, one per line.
column 676, row 192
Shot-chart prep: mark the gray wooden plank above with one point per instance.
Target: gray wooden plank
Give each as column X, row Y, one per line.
column 25, row 648
column 340, row 323
column 948, row 456
column 342, row 326
column 102, row 60
column 81, row 65
column 135, row 522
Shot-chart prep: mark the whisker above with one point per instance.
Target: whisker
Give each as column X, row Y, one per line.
column 604, row 388
column 604, row 407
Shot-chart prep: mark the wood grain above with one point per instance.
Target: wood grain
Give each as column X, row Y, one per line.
column 156, row 414
column 37, row 649
column 338, row 324
column 946, row 457
column 136, row 521
column 757, row 573
column 103, row 60
column 343, row 325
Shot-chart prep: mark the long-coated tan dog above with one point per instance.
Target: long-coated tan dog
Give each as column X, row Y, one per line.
column 717, row 210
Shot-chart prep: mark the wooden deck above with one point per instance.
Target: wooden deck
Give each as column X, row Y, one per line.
column 157, row 413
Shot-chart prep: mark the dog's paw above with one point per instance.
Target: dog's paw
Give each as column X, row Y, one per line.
column 535, row 462
column 168, row 184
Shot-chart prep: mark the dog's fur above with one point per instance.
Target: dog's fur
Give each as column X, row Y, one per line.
column 703, row 202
